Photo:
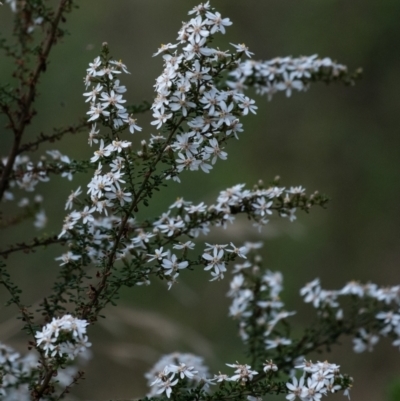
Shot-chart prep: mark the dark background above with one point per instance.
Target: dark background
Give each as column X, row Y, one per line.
column 342, row 141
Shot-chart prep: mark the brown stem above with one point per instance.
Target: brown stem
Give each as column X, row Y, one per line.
column 27, row 100
column 28, row 247
column 102, row 284
column 73, row 129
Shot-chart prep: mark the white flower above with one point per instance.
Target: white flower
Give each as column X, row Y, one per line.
column 160, row 118
column 197, row 30
column 73, row 342
column 242, row 48
column 180, row 103
column 40, row 219
column 277, row 342
column 184, row 246
column 183, row 371
column 171, row 265
column 132, row 125
column 313, row 391
column 96, row 111
column 196, row 49
column 295, row 388
column 201, row 8
column 215, row 151
column 92, row 70
column 93, row 135
column 158, row 254
column 120, row 195
column 214, row 262
column 243, row 373
column 101, row 152
column 241, row 252
column 218, row 23
column 118, row 146
column 120, row 65
column 248, row 105
column 262, row 207
column 269, row 366
column 364, row 341
column 92, row 95
column 67, row 258
column 164, row 48
column 289, row 83
column 166, row 386
column 112, row 99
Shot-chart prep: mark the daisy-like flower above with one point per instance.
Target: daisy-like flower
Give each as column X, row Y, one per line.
column 295, row 388
column 118, row 146
column 112, row 99
column 262, row 207
column 184, row 246
column 277, row 342
column 180, row 103
column 160, row 119
column 183, row 371
column 119, row 195
column 269, row 366
column 365, row 341
column 196, row 49
column 248, row 105
column 93, row 135
column 67, row 258
column 215, row 151
column 101, row 152
column 242, row 48
column 132, row 125
column 108, row 71
column 171, row 265
column 119, row 64
column 197, row 29
column 218, row 23
column 163, row 48
column 92, row 95
column 72, row 197
column 96, row 111
column 243, row 373
column 289, row 83
column 241, row 252
column 215, row 261
column 92, row 70
column 200, row 9
column 166, row 386
column 158, row 254
column 223, row 115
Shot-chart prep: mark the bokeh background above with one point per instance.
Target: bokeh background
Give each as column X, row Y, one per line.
column 343, row 141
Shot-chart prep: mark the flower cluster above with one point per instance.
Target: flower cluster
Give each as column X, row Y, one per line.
column 387, row 321
column 187, row 90
column 318, row 379
column 170, row 371
column 243, row 373
column 15, row 369
column 175, row 367
column 286, row 74
column 197, row 111
column 63, row 337
column 256, row 292
column 106, row 105
column 27, row 174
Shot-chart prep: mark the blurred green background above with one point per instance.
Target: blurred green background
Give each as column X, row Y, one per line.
column 342, row 141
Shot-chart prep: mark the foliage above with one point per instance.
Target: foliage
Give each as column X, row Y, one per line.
column 200, row 99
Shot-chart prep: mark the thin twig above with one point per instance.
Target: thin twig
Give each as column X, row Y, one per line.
column 26, row 101
column 102, row 284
